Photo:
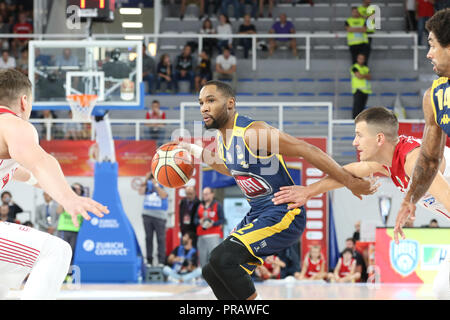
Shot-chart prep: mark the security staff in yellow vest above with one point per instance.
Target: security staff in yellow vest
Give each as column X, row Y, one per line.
column 360, row 85
column 357, row 39
column 366, row 11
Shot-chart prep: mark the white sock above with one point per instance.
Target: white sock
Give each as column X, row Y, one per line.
column 258, row 297
column 441, row 286
column 3, row 292
column 49, row 271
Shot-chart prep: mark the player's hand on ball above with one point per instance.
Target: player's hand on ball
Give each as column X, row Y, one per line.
column 296, row 196
column 407, row 211
column 83, row 205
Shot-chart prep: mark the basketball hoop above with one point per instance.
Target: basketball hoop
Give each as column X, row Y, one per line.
column 82, row 106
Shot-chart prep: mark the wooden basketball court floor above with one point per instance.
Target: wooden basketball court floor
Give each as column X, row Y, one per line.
column 270, row 290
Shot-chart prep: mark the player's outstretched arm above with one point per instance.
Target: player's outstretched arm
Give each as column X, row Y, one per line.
column 24, row 149
column 262, row 137
column 426, row 166
column 207, row 156
column 297, row 196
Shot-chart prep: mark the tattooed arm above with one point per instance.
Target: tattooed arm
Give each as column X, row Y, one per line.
column 426, row 167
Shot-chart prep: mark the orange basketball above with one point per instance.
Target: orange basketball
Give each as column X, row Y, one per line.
column 172, row 166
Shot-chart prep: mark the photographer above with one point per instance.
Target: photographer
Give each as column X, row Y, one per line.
column 183, row 261
column 209, row 221
column 156, row 204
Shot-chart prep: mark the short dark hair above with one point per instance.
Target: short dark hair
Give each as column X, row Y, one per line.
column 439, row 24
column 6, row 192
column 347, row 250
column 351, row 239
column 191, row 234
column 223, row 87
column 13, row 84
column 384, row 119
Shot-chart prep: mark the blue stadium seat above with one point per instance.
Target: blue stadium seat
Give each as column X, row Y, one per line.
column 347, row 138
column 248, row 94
column 286, row 80
column 326, row 80
column 344, row 80
column 286, row 94
column 264, row 94
column 345, row 94
column 410, row 94
column 306, row 94
column 245, row 80
column 266, row 80
column 326, row 94
column 388, row 94
column 386, row 79
column 306, row 80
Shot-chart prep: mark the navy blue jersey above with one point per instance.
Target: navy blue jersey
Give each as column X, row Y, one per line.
column 440, row 100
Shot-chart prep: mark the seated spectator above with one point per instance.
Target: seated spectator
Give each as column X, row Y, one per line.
column 199, row 3
column 14, row 209
column 156, row 130
column 46, row 215
column 313, row 267
column 42, row 60
column 410, row 15
column 72, row 130
column 183, row 261
column 271, row 269
column 22, row 63
column 224, row 28
column 361, row 267
column 254, row 10
column 21, row 27
column 66, row 59
column 203, row 71
column 226, row 68
column 209, row 220
column 4, row 213
column 282, row 27
column 246, row 28
column 148, row 69
column 433, row 224
column 7, row 62
column 184, row 68
column 236, row 8
column 208, row 43
column 4, row 28
column 261, row 8
column 164, row 73
column 345, row 270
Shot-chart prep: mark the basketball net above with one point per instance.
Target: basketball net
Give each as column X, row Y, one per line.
column 82, row 106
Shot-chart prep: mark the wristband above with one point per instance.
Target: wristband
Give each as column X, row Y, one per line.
column 32, row 181
column 196, row 151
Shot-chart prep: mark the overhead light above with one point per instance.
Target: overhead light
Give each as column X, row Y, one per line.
column 152, row 48
column 130, row 11
column 136, row 37
column 132, row 25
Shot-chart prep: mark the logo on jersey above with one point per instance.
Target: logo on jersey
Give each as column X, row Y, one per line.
column 251, row 185
column 5, row 180
column 429, row 201
column 404, row 256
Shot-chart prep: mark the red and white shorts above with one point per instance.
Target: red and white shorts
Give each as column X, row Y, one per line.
column 20, row 247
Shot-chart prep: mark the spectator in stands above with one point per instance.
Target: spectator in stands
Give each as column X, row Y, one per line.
column 357, row 230
column 283, row 26
column 187, row 210
column 236, row 8
column 313, row 267
column 433, row 224
column 224, row 29
column 199, row 3
column 203, row 70
column 183, row 261
column 184, row 68
column 209, row 220
column 345, row 270
column 155, row 130
column 441, row 4
column 72, row 130
column 361, row 267
column 271, row 269
column 56, row 132
column 270, row 8
column 14, row 208
column 208, row 43
column 148, row 69
column 424, row 11
column 66, row 59
column 226, row 67
column 7, row 62
column 164, row 73
column 46, row 215
column 156, row 204
column 216, row 6
column 246, row 28
column 41, row 60
column 4, row 28
column 21, row 27
column 366, row 11
column 357, row 39
column 361, row 88
column 410, row 15
column 22, row 63
column 254, row 10
column 4, row 213
column 291, row 257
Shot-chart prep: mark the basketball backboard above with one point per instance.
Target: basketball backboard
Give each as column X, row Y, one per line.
column 112, row 70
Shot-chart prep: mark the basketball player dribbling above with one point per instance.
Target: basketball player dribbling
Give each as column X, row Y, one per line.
column 252, row 152
column 23, row 250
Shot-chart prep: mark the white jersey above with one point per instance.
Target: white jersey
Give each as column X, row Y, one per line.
column 7, row 169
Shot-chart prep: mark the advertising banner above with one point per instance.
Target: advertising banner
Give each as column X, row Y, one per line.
column 415, row 259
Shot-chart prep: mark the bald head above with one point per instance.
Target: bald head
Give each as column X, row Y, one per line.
column 190, row 193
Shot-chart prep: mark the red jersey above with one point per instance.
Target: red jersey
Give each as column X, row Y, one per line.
column 212, row 213
column 345, row 268
column 23, row 28
column 425, row 8
column 313, row 268
column 397, row 170
column 155, row 115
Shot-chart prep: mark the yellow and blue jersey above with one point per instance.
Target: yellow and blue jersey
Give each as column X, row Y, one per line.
column 267, row 228
column 440, row 101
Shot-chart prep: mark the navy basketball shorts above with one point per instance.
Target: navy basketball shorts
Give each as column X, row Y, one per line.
column 269, row 231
